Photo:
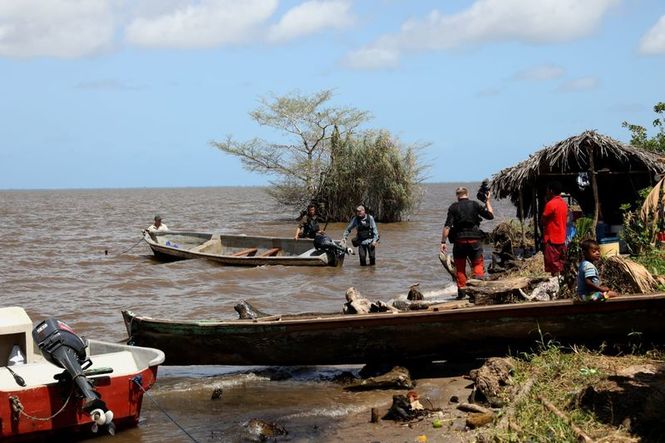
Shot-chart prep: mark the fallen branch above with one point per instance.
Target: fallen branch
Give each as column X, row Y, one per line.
column 510, row 411
column 470, row 407
column 581, row 435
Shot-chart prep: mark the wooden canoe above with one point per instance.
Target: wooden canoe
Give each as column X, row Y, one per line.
column 319, row 339
column 238, row 250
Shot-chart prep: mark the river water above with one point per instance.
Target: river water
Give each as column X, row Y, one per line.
column 63, row 255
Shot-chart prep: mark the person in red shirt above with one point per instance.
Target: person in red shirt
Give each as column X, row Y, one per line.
column 554, row 220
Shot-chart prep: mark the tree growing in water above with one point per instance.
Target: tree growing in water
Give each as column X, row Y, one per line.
column 639, row 135
column 325, row 160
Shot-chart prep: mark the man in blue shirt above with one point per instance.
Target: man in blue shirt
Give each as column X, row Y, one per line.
column 367, row 235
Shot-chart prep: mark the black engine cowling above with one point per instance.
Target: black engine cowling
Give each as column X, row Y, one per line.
column 60, row 345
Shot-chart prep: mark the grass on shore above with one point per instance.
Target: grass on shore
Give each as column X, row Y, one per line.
column 558, row 376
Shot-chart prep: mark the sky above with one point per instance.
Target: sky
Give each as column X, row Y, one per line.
column 130, row 93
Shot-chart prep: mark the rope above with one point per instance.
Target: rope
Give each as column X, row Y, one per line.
column 106, row 252
column 138, row 383
column 19, row 408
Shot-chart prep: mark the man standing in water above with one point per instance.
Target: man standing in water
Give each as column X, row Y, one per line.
column 555, row 216
column 368, row 235
column 158, row 225
column 462, row 228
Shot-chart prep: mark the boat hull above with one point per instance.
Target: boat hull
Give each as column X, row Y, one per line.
column 122, row 393
column 223, row 249
column 385, row 337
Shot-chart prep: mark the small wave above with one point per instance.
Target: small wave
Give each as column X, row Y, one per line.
column 214, row 383
column 327, row 412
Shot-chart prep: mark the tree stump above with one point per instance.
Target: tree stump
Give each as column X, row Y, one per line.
column 490, row 379
column 497, row 292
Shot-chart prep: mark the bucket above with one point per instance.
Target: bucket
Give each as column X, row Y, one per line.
column 609, row 246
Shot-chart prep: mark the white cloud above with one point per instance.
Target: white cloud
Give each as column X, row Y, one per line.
column 540, row 73
column 202, row 24
column 653, row 42
column 55, row 28
column 311, row 17
column 580, row 84
column 526, row 21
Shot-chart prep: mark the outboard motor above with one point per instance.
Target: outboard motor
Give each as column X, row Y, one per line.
column 61, row 346
column 335, row 251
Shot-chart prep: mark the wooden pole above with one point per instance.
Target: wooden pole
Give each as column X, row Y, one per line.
column 536, row 217
column 594, row 188
column 522, row 217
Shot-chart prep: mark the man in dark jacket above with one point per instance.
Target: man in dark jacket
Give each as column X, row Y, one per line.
column 309, row 223
column 462, row 229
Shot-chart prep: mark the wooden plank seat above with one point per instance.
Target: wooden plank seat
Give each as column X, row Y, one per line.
column 270, row 252
column 245, row 252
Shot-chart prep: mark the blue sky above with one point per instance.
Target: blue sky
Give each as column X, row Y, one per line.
column 129, row 93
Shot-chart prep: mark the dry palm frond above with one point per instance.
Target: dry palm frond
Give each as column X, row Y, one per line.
column 624, row 275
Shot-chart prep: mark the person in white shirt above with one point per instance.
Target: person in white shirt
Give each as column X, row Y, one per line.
column 158, row 225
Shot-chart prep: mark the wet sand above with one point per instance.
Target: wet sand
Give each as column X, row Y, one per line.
column 307, row 402
column 435, row 390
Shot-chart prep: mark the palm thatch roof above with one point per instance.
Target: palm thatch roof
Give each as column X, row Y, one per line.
column 619, row 170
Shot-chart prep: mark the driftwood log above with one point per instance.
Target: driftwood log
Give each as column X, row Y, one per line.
column 490, row 380
column 357, row 304
column 246, row 311
column 498, row 292
column 397, row 378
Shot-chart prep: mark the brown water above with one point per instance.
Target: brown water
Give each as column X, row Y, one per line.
column 53, row 263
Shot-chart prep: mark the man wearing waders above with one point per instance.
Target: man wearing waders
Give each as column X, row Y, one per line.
column 462, row 229
column 368, row 235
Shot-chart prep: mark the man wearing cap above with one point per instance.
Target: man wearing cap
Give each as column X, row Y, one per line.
column 462, row 229
column 158, row 225
column 368, row 235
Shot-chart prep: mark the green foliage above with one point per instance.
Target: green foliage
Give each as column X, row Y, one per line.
column 325, row 159
column 653, row 260
column 637, row 234
column 639, row 136
column 374, row 170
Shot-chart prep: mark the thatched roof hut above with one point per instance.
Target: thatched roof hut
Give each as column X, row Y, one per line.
column 599, row 172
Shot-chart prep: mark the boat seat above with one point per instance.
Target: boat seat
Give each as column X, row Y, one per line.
column 270, row 252
column 245, row 252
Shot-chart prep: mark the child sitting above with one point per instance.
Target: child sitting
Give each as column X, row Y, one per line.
column 589, row 287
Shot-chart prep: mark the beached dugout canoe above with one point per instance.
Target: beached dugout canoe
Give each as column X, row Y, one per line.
column 441, row 334
column 239, row 250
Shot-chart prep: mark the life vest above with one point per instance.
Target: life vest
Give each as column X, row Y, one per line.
column 364, row 228
column 310, row 228
column 466, row 224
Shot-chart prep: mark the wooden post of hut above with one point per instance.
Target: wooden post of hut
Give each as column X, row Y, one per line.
column 521, row 197
column 594, row 187
column 536, row 216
